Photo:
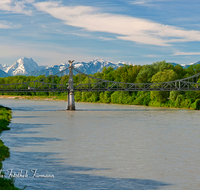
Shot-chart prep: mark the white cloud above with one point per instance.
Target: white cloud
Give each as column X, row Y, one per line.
column 15, row 6
column 71, row 33
column 187, row 53
column 140, row 2
column 4, row 26
column 43, row 26
column 149, row 3
column 124, row 27
column 105, row 38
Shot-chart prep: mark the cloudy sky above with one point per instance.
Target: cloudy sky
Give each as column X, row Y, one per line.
column 137, row 31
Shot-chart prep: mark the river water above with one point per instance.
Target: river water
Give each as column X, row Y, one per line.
column 102, row 146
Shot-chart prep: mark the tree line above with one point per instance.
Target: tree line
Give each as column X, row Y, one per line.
column 156, row 72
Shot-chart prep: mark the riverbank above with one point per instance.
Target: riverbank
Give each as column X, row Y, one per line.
column 5, row 117
column 48, row 98
column 183, row 105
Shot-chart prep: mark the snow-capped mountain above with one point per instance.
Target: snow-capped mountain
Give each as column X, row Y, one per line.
column 5, row 67
column 185, row 65
column 91, row 67
column 27, row 66
column 50, row 70
column 96, row 65
column 2, row 73
column 22, row 66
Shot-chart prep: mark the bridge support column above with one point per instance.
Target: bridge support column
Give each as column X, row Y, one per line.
column 71, row 102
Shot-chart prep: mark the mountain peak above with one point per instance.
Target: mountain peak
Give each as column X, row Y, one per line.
column 99, row 60
column 22, row 66
column 187, row 65
column 25, row 60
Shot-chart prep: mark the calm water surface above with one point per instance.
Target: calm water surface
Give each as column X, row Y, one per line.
column 103, row 146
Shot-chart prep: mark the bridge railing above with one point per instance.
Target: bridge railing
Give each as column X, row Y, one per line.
column 105, row 85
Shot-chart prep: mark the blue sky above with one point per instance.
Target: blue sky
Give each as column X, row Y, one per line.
column 137, row 31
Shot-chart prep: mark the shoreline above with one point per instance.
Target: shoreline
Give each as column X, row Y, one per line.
column 55, row 98
column 52, row 98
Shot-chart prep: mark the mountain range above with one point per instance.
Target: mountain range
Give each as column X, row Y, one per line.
column 28, row 67
column 185, row 65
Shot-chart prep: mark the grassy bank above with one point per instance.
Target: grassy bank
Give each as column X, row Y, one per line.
column 176, row 99
column 5, row 117
column 173, row 99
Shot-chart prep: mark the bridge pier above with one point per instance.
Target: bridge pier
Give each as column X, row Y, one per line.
column 71, row 102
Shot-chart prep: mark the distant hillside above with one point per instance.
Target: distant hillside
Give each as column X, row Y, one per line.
column 50, row 70
column 3, row 74
column 186, row 66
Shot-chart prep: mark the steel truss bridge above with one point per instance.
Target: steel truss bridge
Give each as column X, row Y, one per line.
column 93, row 84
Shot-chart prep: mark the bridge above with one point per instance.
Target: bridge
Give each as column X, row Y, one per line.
column 94, row 84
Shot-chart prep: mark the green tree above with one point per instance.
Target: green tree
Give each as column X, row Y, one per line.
column 145, row 74
column 179, row 100
column 196, row 68
column 173, row 96
column 133, row 72
column 162, row 65
column 190, row 71
column 196, row 105
column 179, row 71
column 162, row 76
column 108, row 73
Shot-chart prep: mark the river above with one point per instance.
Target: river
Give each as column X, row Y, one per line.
column 101, row 146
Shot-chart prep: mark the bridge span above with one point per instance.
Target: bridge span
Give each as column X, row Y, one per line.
column 94, row 84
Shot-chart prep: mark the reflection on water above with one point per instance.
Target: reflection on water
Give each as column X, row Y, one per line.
column 73, row 177
column 103, row 146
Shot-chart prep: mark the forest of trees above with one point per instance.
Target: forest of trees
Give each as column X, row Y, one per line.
column 156, row 72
